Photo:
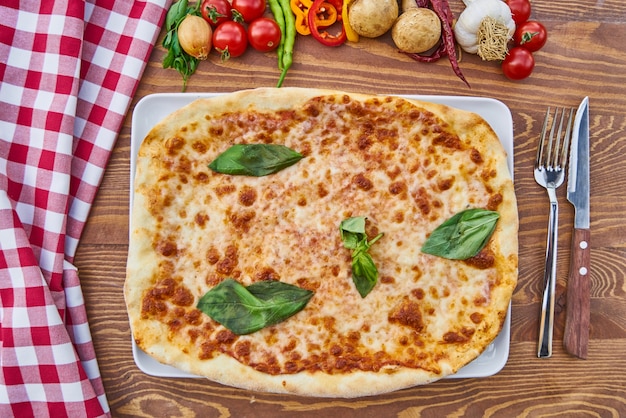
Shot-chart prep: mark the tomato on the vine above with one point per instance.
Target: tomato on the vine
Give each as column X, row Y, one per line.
column 518, row 64
column 216, row 11
column 264, row 34
column 230, row 39
column 520, row 10
column 249, row 9
column 531, row 35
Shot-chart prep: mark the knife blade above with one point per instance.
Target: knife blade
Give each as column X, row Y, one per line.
column 577, row 317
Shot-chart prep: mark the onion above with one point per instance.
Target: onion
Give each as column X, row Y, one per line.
column 194, row 36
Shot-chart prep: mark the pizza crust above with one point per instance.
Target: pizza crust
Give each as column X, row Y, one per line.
column 147, row 264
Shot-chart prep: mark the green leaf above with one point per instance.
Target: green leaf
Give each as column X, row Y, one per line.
column 177, row 50
column 167, row 40
column 255, row 159
column 463, row 235
column 352, row 231
column 245, row 310
column 168, row 60
column 364, row 271
column 193, row 65
column 175, row 13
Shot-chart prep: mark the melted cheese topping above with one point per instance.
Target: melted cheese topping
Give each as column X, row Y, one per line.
column 388, row 160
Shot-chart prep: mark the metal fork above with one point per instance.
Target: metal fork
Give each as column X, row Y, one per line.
column 550, row 165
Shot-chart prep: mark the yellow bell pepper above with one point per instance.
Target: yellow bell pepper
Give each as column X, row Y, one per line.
column 350, row 33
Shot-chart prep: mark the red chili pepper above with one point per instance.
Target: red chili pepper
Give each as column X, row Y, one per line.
column 447, row 45
column 317, row 31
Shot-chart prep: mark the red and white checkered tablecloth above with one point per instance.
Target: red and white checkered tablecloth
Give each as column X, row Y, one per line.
column 68, row 71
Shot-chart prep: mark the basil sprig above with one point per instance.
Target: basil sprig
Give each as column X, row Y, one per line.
column 364, row 271
column 255, row 159
column 245, row 310
column 463, row 235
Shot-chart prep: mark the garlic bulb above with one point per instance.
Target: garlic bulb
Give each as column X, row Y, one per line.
column 484, row 28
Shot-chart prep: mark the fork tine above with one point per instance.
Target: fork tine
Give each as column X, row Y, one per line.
column 552, row 153
column 542, row 140
column 560, row 148
column 567, row 138
column 552, row 149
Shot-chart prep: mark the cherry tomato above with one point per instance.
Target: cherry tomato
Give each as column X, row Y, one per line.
column 264, row 34
column 250, row 9
column 216, row 11
column 531, row 35
column 520, row 9
column 230, row 39
column 518, row 64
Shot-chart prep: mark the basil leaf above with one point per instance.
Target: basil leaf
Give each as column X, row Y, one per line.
column 356, row 225
column 364, row 271
column 352, row 231
column 244, row 310
column 463, row 235
column 255, row 159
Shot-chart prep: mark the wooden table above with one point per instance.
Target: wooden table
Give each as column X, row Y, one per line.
column 585, row 56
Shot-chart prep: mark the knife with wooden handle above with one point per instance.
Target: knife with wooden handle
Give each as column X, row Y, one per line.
column 576, row 336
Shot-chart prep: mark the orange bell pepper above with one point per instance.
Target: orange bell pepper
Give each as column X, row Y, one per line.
column 300, row 9
column 325, row 15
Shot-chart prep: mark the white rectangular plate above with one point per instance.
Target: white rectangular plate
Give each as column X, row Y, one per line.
column 153, row 108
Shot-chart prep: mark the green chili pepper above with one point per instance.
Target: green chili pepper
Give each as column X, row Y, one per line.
column 290, row 39
column 279, row 17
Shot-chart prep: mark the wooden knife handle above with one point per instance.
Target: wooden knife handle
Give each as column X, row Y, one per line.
column 576, row 336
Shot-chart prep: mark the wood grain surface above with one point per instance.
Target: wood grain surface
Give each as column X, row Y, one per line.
column 584, row 56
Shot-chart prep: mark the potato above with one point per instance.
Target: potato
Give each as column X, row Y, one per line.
column 372, row 18
column 416, row 30
column 408, row 4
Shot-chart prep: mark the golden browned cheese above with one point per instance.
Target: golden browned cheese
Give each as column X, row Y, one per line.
column 406, row 166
